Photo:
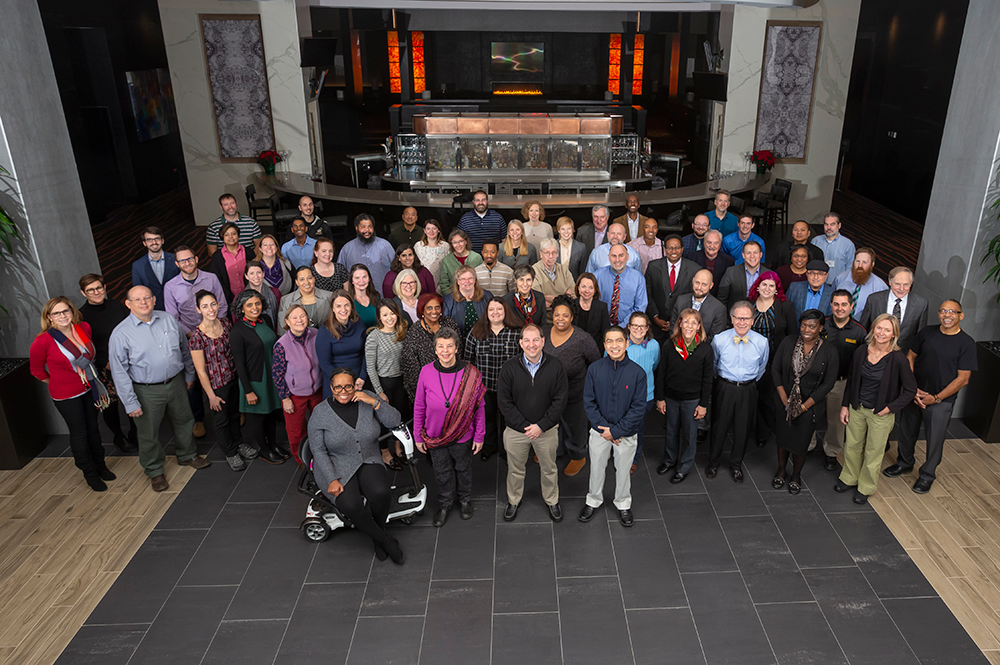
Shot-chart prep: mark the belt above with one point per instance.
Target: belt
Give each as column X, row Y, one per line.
column 738, row 384
column 157, row 383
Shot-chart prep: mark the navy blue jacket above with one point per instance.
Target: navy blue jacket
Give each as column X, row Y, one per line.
column 456, row 310
column 614, row 396
column 796, row 294
column 142, row 275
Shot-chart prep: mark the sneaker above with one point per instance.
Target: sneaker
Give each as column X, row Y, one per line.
column 247, row 451
column 236, row 463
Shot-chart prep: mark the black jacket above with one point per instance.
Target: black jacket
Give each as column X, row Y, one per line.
column 682, row 379
column 217, row 266
column 524, row 401
column 898, row 387
column 538, row 316
column 248, row 351
column 815, row 383
column 722, row 262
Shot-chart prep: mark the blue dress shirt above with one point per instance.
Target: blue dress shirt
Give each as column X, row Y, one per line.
column 873, row 285
column 838, row 254
column 631, row 292
column 740, row 361
column 814, row 299
column 299, row 255
column 732, row 245
column 599, row 258
column 147, row 353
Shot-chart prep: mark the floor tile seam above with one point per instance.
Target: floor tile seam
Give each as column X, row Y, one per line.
column 493, row 588
column 621, row 592
column 655, row 609
column 331, row 583
column 427, row 602
column 361, row 606
column 708, row 572
column 462, row 579
column 512, row 614
column 555, row 571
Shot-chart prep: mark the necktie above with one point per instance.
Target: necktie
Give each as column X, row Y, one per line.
column 897, row 310
column 673, row 277
column 616, row 294
column 854, row 299
column 738, row 339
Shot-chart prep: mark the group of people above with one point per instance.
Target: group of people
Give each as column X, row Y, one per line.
column 507, row 338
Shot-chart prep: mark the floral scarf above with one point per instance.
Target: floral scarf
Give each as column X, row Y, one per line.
column 801, row 362
column 526, row 306
column 462, row 411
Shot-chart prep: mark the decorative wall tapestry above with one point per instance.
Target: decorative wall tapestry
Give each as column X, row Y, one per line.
column 237, row 75
column 787, row 82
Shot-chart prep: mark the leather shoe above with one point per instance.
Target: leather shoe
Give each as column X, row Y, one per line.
column 842, row 487
column 159, row 483
column 198, row 431
column 587, row 513
column 441, row 516
column 270, row 456
column 282, row 450
column 196, row 462
column 511, row 512
column 922, row 486
column 896, row 469
column 859, row 498
column 626, row 517
column 702, row 436
column 737, row 475
column 555, row 512
column 465, row 509
column 574, row 467
column 829, row 463
column 124, row 445
column 712, row 472
column 663, row 469
column 678, row 478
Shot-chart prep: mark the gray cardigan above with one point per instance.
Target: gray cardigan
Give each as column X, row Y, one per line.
column 338, row 450
column 324, row 300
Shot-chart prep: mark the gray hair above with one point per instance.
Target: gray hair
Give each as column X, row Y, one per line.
column 599, row 206
column 740, row 304
column 547, row 243
column 716, row 232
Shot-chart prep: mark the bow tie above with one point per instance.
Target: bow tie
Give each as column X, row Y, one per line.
column 738, row 339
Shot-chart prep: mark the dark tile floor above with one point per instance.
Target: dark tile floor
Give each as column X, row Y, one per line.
column 712, row 572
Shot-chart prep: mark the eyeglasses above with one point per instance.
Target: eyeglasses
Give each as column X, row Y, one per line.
column 637, row 326
column 342, row 389
column 142, row 299
column 156, row 239
column 62, row 312
column 187, row 260
column 949, row 311
column 94, row 289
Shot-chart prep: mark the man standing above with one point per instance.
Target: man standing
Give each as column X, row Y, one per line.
column 814, row 293
column 614, row 396
column 492, row 275
column 701, row 300
column 909, row 309
column 712, row 258
column 740, row 361
column 733, row 243
column 408, row 231
column 299, row 250
column 249, row 231
column 800, row 238
column 482, row 223
column 666, row 279
column 316, row 227
column 720, row 218
column 622, row 289
column 695, row 241
column 594, row 234
column 838, row 251
column 846, row 335
column 368, row 249
column 632, row 220
column 860, row 281
column 616, row 236
column 737, row 281
column 156, row 268
column 532, row 393
column 943, row 359
column 648, row 246
column 150, row 364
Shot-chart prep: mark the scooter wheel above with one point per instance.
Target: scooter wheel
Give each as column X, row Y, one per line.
column 317, row 532
column 406, row 520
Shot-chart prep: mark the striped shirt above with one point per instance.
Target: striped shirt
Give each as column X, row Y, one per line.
column 490, row 226
column 498, row 281
column 249, row 231
column 382, row 355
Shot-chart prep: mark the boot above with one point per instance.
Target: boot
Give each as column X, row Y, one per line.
column 95, row 482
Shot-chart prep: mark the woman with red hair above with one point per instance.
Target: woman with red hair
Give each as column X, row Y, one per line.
column 774, row 318
column 418, row 347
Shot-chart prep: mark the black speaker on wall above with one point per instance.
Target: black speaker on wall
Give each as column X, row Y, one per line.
column 318, row 52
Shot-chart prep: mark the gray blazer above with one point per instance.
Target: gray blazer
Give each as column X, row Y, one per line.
column 714, row 315
column 324, row 300
column 914, row 318
column 338, row 450
column 522, row 260
column 578, row 256
column 733, row 287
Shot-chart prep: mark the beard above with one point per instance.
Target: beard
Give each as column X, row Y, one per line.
column 364, row 240
column 860, row 275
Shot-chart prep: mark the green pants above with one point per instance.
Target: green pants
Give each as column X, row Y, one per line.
column 864, row 448
column 169, row 399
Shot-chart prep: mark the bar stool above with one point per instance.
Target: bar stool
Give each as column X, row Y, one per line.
column 256, row 207
column 777, row 204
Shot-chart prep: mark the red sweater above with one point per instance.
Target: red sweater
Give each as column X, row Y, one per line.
column 48, row 362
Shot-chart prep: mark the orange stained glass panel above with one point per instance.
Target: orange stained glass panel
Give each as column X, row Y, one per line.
column 395, row 85
column 637, row 58
column 614, row 72
column 637, row 72
column 616, row 42
column 614, row 57
column 393, row 39
column 418, row 54
column 418, row 70
column 640, row 41
column 417, row 39
column 637, row 87
column 394, row 55
column 613, row 86
column 394, row 70
column 418, row 85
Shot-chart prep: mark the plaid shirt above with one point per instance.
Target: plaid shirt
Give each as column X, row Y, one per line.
column 489, row 355
column 219, row 361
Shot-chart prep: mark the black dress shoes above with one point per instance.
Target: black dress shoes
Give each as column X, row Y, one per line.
column 271, row 456
column 702, row 436
column 737, row 475
column 587, row 513
column 678, row 478
column 282, row 450
column 124, row 445
column 712, row 472
column 465, row 510
column 896, row 469
column 555, row 512
column 441, row 516
column 841, row 486
column 663, row 469
column 859, row 498
column 510, row 513
column 829, row 463
column 626, row 517
column 922, row 486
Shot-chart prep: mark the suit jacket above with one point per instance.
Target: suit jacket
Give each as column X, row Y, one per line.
column 456, row 310
column 324, row 300
column 578, row 257
column 722, row 263
column 914, row 318
column 798, row 291
column 658, row 292
column 142, row 275
column 623, row 220
column 733, row 287
column 585, row 234
column 714, row 316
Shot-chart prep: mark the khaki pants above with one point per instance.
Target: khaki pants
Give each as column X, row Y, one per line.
column 518, row 448
column 864, row 448
column 600, row 450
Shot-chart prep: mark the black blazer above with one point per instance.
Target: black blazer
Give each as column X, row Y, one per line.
column 594, row 322
column 578, row 256
column 660, row 298
column 733, row 287
column 217, row 266
column 722, row 263
column 714, row 316
column 248, row 350
column 142, row 275
column 815, row 383
column 585, row 234
column 539, row 315
column 783, row 255
column 914, row 318
column 898, row 387
column 786, row 324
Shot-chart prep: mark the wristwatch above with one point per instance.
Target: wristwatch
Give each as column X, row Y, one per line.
column 937, row 399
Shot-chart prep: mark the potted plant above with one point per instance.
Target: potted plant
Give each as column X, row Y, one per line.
column 763, row 160
column 268, row 159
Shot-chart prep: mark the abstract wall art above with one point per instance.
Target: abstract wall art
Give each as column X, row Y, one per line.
column 152, row 103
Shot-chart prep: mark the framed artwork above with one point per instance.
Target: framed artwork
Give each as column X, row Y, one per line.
column 237, row 76
column 787, row 86
column 152, row 99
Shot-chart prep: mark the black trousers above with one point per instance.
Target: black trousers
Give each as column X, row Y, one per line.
column 736, row 406
column 574, row 431
column 263, row 426
column 80, row 415
column 227, row 422
column 767, row 396
column 112, row 418
column 368, row 482
column 935, row 419
column 495, row 425
column 450, row 463
column 396, row 395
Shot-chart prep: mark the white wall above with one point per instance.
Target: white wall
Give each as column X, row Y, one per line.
column 813, row 181
column 208, row 177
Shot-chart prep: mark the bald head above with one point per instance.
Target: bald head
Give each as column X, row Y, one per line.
column 616, row 233
column 702, row 283
column 140, row 301
column 618, row 257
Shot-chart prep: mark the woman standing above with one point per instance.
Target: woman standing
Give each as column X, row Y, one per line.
column 315, row 301
column 684, row 391
column 646, row 354
column 572, row 252
column 407, row 258
column 343, row 439
column 460, row 256
column 212, row 355
column 575, row 349
column 879, row 384
column 254, row 277
column 796, row 270
column 229, row 263
column 466, row 303
column 526, row 302
column 341, row 341
column 492, row 341
column 102, row 315
column 449, row 421
column 364, row 295
column 252, row 340
column 552, row 277
column 277, row 269
column 330, row 276
column 515, row 251
column 297, row 374
column 774, row 318
column 62, row 356
column 431, row 249
column 407, row 290
column 805, row 369
column 383, row 353
column 418, row 347
column 592, row 316
column 535, row 228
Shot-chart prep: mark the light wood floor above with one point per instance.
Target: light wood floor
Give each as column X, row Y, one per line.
column 63, row 545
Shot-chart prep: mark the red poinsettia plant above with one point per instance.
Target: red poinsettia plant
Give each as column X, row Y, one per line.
column 763, row 159
column 268, row 158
